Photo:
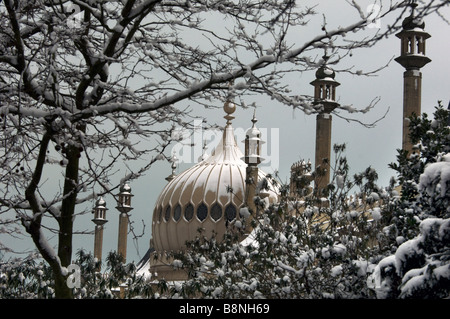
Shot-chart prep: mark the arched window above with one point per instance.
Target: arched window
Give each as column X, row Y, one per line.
column 216, row 212
column 327, row 92
column 230, row 212
column 160, row 215
column 167, row 213
column 189, row 212
column 202, row 212
column 177, row 213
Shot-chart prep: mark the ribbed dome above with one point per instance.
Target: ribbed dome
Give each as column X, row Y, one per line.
column 207, row 195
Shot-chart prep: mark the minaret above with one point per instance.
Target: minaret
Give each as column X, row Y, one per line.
column 325, row 101
column 124, row 207
column 412, row 58
column 252, row 158
column 99, row 212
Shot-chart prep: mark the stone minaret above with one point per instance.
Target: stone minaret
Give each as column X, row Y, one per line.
column 325, row 102
column 124, row 207
column 252, row 158
column 412, row 58
column 99, row 212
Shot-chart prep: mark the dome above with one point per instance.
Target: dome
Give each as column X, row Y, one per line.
column 207, row 195
column 125, row 188
column 413, row 22
column 325, row 72
column 100, row 203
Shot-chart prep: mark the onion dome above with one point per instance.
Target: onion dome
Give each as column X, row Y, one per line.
column 413, row 22
column 100, row 203
column 325, row 72
column 125, row 189
column 208, row 195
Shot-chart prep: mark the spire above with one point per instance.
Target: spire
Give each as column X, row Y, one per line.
column 253, row 143
column 252, row 158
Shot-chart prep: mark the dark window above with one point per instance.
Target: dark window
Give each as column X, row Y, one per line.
column 230, row 212
column 189, row 212
column 202, row 212
column 167, row 214
column 216, row 212
column 177, row 213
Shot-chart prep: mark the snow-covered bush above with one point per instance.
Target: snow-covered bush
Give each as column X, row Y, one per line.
column 32, row 278
column 420, row 268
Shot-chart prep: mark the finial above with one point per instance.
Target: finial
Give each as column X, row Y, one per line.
column 229, row 108
column 413, row 4
column 254, row 120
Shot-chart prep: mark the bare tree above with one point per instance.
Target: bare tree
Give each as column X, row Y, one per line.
column 83, row 81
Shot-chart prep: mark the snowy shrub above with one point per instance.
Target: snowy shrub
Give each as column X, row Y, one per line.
column 32, row 278
column 420, row 268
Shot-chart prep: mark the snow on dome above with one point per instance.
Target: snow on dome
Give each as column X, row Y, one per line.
column 100, row 202
column 125, row 188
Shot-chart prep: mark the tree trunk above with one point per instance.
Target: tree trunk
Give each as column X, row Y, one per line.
column 66, row 220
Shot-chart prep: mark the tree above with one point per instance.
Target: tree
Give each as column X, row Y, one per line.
column 82, row 82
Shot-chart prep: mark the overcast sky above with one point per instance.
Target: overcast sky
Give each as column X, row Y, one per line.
column 291, row 134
